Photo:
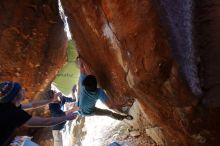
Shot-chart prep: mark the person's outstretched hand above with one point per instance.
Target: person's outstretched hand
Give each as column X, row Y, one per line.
column 73, row 109
column 71, row 116
column 56, row 97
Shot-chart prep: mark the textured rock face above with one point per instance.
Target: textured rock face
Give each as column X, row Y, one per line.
column 149, row 50
column 138, row 48
column 127, row 48
column 32, row 43
column 104, row 28
column 177, row 17
column 207, row 39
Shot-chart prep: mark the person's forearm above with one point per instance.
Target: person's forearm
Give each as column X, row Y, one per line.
column 54, row 121
column 40, row 103
column 73, row 109
column 35, row 104
column 45, row 122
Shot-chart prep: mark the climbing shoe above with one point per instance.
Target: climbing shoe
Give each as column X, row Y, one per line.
column 129, row 117
column 121, row 117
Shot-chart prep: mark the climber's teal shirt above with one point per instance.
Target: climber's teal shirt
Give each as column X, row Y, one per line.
column 88, row 99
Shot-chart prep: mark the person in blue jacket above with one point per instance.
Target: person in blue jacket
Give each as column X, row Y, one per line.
column 57, row 110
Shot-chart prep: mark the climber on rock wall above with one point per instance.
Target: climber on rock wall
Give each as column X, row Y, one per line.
column 13, row 115
column 88, row 94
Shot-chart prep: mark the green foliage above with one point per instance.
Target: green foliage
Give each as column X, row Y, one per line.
column 71, row 51
column 69, row 74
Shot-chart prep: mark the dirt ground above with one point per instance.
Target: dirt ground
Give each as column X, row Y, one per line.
column 101, row 131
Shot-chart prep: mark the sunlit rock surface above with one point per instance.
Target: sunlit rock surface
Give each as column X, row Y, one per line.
column 146, row 50
column 32, row 43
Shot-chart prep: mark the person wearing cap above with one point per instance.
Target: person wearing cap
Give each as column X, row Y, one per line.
column 13, row 115
column 88, row 94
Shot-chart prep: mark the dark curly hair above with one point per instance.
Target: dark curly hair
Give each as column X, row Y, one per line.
column 90, row 83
